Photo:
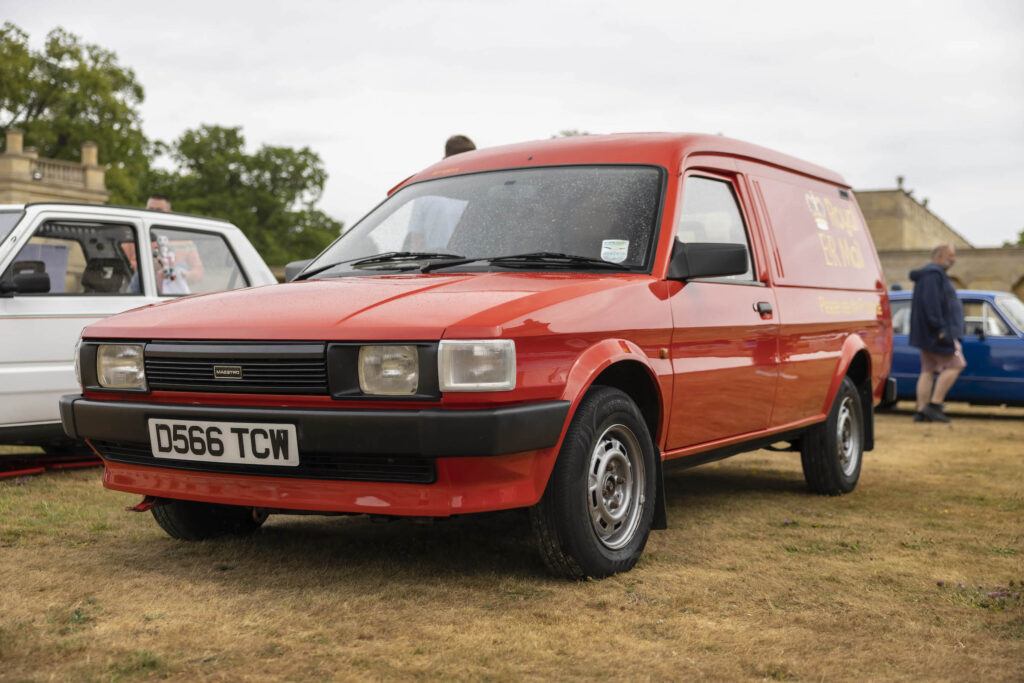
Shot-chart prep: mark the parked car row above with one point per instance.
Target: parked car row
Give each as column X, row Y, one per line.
column 993, row 347
column 64, row 266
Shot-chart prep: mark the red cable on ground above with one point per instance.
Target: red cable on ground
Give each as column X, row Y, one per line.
column 74, row 465
column 18, row 473
column 31, row 464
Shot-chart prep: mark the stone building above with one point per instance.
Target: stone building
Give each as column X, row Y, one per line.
column 24, row 177
column 905, row 231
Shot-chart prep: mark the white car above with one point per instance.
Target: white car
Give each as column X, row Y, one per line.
column 64, row 266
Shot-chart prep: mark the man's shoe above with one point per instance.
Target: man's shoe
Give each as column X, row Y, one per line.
column 921, row 417
column 934, row 413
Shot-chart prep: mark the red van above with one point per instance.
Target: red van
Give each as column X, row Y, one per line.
column 535, row 326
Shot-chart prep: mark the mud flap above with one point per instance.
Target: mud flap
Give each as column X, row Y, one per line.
column 868, row 410
column 660, row 520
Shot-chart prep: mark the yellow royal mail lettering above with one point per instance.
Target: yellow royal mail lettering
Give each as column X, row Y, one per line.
column 828, row 247
column 818, row 210
column 850, row 252
column 842, row 217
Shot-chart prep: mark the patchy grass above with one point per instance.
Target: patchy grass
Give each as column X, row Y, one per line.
column 916, row 575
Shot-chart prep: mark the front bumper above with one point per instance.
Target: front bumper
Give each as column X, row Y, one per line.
column 430, row 433
column 418, row 462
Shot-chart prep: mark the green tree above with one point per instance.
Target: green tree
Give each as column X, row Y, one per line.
column 69, row 93
column 270, row 194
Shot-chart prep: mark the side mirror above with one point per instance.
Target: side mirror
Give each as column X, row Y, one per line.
column 981, row 332
column 26, row 283
column 294, row 268
column 706, row 259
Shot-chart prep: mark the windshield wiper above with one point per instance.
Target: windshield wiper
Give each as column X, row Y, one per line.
column 551, row 258
column 399, row 256
column 386, row 257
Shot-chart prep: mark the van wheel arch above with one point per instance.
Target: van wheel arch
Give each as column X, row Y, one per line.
column 634, row 379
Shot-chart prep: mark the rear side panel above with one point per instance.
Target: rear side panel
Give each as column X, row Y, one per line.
column 828, row 285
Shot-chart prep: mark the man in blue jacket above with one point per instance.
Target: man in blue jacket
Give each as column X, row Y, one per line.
column 936, row 326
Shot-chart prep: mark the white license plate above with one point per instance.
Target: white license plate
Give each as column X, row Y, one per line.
column 239, row 443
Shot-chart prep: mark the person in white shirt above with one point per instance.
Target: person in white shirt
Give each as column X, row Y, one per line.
column 434, row 218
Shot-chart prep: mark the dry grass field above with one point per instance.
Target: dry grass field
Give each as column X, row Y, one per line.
column 916, row 575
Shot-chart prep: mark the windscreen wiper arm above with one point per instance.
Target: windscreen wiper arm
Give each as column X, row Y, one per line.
column 398, row 256
column 386, row 257
column 552, row 258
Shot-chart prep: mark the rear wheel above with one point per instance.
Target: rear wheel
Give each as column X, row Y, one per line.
column 595, row 515
column 832, row 452
column 192, row 521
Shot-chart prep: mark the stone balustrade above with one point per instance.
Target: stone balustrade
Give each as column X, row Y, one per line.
column 24, row 177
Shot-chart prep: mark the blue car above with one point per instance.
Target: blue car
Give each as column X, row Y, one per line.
column 993, row 346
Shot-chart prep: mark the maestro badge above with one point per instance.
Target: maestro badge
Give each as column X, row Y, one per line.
column 227, row 372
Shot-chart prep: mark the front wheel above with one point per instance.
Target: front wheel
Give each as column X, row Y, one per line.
column 191, row 521
column 832, row 452
column 596, row 512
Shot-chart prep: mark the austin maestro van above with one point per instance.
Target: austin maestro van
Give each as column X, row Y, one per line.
column 545, row 326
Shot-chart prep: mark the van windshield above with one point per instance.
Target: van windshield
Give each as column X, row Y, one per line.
column 600, row 213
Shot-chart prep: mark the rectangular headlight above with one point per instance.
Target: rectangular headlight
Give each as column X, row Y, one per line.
column 485, row 365
column 391, row 370
column 121, row 366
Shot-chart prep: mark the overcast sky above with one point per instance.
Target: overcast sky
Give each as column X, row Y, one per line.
column 933, row 91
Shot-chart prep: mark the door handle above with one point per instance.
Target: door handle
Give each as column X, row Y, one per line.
column 763, row 307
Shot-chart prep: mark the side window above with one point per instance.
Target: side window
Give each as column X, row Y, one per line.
column 81, row 258
column 193, row 262
column 900, row 317
column 979, row 316
column 712, row 214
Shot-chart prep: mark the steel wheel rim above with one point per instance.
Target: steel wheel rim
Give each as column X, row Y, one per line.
column 847, row 437
column 615, row 482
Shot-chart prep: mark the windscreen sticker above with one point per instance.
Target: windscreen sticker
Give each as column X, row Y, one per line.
column 614, row 251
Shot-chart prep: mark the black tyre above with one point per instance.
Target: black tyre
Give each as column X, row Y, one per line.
column 191, row 521
column 832, row 452
column 595, row 515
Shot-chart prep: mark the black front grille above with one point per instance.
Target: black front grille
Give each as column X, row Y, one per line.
column 380, row 468
column 237, row 368
column 276, row 376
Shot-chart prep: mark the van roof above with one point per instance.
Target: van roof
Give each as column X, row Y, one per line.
column 662, row 149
